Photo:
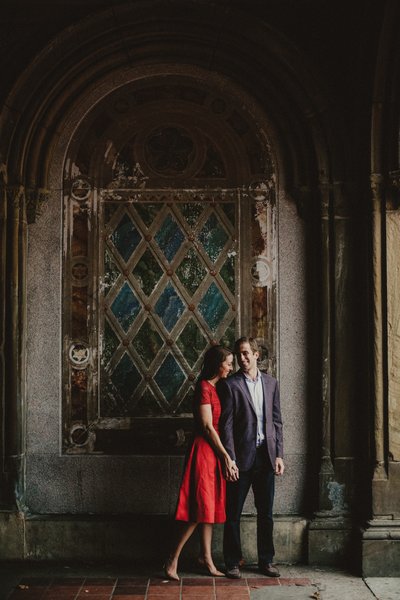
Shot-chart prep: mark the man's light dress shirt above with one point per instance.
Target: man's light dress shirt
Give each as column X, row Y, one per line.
column 256, row 392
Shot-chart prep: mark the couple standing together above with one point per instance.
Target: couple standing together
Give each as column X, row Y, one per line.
column 238, row 444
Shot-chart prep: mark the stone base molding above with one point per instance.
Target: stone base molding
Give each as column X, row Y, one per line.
column 381, row 548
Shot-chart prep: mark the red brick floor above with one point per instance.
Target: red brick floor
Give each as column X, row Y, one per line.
column 143, row 588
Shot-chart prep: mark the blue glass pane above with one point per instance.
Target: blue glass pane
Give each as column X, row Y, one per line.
column 125, row 307
column 169, row 307
column 126, row 377
column 213, row 237
column 169, row 377
column 125, row 237
column 169, row 237
column 213, row 307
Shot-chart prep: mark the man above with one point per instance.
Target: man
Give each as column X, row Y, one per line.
column 251, row 430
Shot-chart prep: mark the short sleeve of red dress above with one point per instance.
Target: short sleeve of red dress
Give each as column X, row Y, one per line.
column 208, row 395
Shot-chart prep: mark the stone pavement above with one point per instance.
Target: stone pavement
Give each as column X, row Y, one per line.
column 48, row 581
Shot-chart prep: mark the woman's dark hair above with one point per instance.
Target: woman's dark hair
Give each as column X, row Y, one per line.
column 213, row 359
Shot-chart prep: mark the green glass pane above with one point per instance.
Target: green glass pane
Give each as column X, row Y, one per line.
column 111, row 272
column 228, row 339
column 213, row 237
column 191, row 272
column 147, row 342
column 125, row 237
column 109, row 210
column 169, row 377
column 227, row 273
column 186, row 406
column 191, row 342
column 148, row 272
column 125, row 379
column 147, row 406
column 125, row 307
column 191, row 212
column 213, row 307
column 229, row 210
column 148, row 212
column 110, row 343
column 110, row 404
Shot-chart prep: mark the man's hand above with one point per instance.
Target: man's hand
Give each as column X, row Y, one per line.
column 231, row 472
column 279, row 466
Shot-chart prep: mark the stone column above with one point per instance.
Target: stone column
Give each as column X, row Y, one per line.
column 13, row 408
column 381, row 538
column 326, row 472
column 330, row 531
column 3, row 257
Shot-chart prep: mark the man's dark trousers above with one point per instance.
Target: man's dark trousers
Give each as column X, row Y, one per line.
column 261, row 477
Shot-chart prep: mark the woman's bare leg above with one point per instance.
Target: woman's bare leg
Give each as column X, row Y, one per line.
column 206, row 557
column 171, row 564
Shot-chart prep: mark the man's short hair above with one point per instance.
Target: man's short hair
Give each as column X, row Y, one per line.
column 246, row 340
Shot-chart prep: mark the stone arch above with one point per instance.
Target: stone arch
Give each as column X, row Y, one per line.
column 121, row 45
column 262, row 62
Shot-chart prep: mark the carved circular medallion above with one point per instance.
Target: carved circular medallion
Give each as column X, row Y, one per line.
column 80, row 189
column 81, row 435
column 79, row 354
column 80, row 271
column 260, row 190
column 261, row 273
column 169, row 151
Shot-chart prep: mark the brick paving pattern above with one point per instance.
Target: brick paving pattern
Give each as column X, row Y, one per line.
column 143, row 588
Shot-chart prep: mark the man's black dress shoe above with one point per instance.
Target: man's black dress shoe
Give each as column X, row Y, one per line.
column 269, row 570
column 233, row 572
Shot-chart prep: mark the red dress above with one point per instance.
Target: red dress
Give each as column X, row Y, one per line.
column 202, row 493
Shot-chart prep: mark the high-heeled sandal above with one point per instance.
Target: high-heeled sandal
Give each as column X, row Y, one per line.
column 170, row 576
column 207, row 569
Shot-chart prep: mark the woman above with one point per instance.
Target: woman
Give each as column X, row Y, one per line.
column 202, row 493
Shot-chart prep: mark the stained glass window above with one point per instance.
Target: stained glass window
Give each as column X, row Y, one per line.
column 173, row 251
column 168, row 274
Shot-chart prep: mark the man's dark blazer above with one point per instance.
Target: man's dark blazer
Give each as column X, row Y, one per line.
column 238, row 421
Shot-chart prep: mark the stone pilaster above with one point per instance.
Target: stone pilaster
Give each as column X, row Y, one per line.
column 3, row 255
column 14, row 318
column 381, row 537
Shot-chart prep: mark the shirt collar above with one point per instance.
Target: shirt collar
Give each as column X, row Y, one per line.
column 247, row 378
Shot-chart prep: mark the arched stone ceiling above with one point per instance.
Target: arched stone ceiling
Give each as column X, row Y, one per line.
column 140, row 39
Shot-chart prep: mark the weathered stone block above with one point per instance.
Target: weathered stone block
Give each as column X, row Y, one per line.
column 381, row 558
column 331, row 541
column 11, row 536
